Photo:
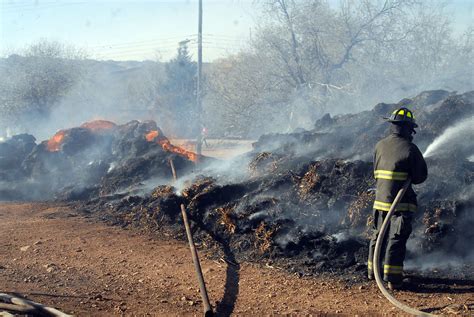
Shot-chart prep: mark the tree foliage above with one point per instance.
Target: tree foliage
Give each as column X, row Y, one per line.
column 236, row 96
column 178, row 91
column 309, row 57
column 37, row 80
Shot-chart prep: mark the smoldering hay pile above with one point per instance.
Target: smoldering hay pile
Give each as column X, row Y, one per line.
column 298, row 200
column 301, row 200
column 95, row 159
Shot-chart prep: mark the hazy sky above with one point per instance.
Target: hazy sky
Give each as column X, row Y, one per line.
column 138, row 30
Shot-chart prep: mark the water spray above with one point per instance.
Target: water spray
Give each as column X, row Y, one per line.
column 459, row 135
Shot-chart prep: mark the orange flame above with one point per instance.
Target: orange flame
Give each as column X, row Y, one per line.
column 98, row 125
column 54, row 144
column 154, row 136
column 167, row 146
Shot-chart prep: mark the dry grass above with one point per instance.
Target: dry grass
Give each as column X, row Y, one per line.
column 226, row 218
column 357, row 209
column 309, row 182
column 264, row 237
column 264, row 162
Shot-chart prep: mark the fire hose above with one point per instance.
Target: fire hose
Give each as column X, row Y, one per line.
column 376, row 261
column 197, row 265
column 27, row 307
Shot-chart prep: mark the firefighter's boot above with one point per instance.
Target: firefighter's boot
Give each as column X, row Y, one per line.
column 395, row 286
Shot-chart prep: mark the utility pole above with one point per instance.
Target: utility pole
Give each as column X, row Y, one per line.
column 199, row 84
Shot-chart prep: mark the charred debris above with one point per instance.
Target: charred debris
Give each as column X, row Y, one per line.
column 298, row 200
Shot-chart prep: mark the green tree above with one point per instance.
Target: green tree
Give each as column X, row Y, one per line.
column 179, row 90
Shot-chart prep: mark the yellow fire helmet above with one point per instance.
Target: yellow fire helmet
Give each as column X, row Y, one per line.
column 402, row 115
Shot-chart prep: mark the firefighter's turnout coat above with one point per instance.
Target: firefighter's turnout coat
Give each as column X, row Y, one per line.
column 396, row 159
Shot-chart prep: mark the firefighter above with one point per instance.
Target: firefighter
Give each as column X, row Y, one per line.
column 204, row 134
column 396, row 159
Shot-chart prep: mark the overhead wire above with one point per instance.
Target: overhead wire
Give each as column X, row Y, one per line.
column 4, row 9
column 165, row 45
column 137, row 48
column 165, row 39
column 191, row 37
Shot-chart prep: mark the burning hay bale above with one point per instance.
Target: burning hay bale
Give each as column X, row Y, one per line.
column 97, row 158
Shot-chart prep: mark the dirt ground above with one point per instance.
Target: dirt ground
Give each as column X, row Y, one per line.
column 52, row 255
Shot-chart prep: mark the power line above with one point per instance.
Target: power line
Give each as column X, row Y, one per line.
column 223, row 36
column 151, row 40
column 165, row 45
column 33, row 8
column 217, row 54
column 133, row 54
column 191, row 37
column 132, row 51
column 215, row 44
column 138, row 47
column 27, row 4
column 161, row 51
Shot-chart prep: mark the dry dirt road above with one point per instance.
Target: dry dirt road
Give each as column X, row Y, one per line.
column 54, row 256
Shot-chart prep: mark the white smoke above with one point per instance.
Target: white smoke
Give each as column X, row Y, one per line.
column 437, row 261
column 458, row 136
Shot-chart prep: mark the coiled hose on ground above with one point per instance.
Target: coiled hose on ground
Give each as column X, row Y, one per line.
column 24, row 306
column 376, row 261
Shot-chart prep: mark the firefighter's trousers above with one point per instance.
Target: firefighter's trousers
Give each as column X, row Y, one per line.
column 394, row 245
